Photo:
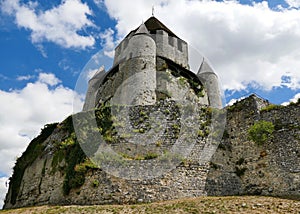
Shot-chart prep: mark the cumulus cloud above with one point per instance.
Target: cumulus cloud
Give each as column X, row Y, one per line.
column 49, row 79
column 108, row 42
column 26, row 77
column 3, row 189
column 59, row 24
column 293, row 3
column 293, row 100
column 247, row 45
column 24, row 112
column 233, row 101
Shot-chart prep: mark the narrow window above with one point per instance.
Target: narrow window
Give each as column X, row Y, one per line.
column 171, row 41
column 179, row 45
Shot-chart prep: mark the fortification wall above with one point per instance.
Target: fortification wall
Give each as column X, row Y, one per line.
column 242, row 167
column 43, row 181
column 239, row 166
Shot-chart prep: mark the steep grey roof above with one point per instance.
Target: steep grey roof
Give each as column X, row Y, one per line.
column 152, row 25
column 205, row 68
column 142, row 29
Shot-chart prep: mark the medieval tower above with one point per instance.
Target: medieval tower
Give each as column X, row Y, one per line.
column 141, row 58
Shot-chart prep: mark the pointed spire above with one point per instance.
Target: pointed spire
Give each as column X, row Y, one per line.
column 142, row 29
column 153, row 10
column 205, row 68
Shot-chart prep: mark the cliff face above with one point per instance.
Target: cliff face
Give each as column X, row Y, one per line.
column 55, row 170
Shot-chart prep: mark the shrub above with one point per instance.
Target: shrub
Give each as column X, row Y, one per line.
column 150, row 156
column 182, row 81
column 271, row 107
column 261, row 131
column 95, row 183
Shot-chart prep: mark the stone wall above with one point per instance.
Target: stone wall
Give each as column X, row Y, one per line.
column 239, row 166
column 242, row 167
column 140, row 80
column 43, row 180
column 171, row 48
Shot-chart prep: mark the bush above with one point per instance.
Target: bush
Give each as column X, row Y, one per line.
column 271, row 107
column 261, row 131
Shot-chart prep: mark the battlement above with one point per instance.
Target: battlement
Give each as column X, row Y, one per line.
column 171, row 47
column 168, row 45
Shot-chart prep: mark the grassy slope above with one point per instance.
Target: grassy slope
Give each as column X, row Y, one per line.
column 234, row 204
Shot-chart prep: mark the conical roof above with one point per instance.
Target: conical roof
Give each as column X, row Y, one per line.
column 142, row 29
column 205, row 68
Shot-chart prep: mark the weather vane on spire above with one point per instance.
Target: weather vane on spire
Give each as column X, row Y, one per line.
column 153, row 10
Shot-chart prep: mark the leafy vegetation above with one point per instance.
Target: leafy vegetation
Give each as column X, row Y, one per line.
column 261, row 131
column 73, row 178
column 271, row 107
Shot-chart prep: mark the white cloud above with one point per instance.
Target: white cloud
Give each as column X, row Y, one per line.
column 108, row 42
column 49, row 79
column 91, row 73
column 24, row 112
column 59, row 24
column 3, row 189
column 247, row 45
column 26, row 77
column 293, row 3
column 293, row 100
column 233, row 101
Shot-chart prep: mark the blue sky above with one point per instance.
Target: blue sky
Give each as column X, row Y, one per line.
column 45, row 45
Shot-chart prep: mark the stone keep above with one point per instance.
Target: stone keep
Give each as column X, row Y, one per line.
column 139, row 62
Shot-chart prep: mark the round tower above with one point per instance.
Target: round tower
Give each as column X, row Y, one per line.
column 211, row 82
column 93, row 85
column 139, row 70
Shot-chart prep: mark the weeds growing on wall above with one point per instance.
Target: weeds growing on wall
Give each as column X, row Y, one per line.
column 261, row 131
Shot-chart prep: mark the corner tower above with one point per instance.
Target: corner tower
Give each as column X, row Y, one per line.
column 211, row 82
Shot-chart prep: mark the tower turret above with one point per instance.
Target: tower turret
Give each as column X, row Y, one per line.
column 210, row 80
column 94, row 83
column 140, row 67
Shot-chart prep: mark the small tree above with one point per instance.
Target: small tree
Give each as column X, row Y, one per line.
column 261, row 131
